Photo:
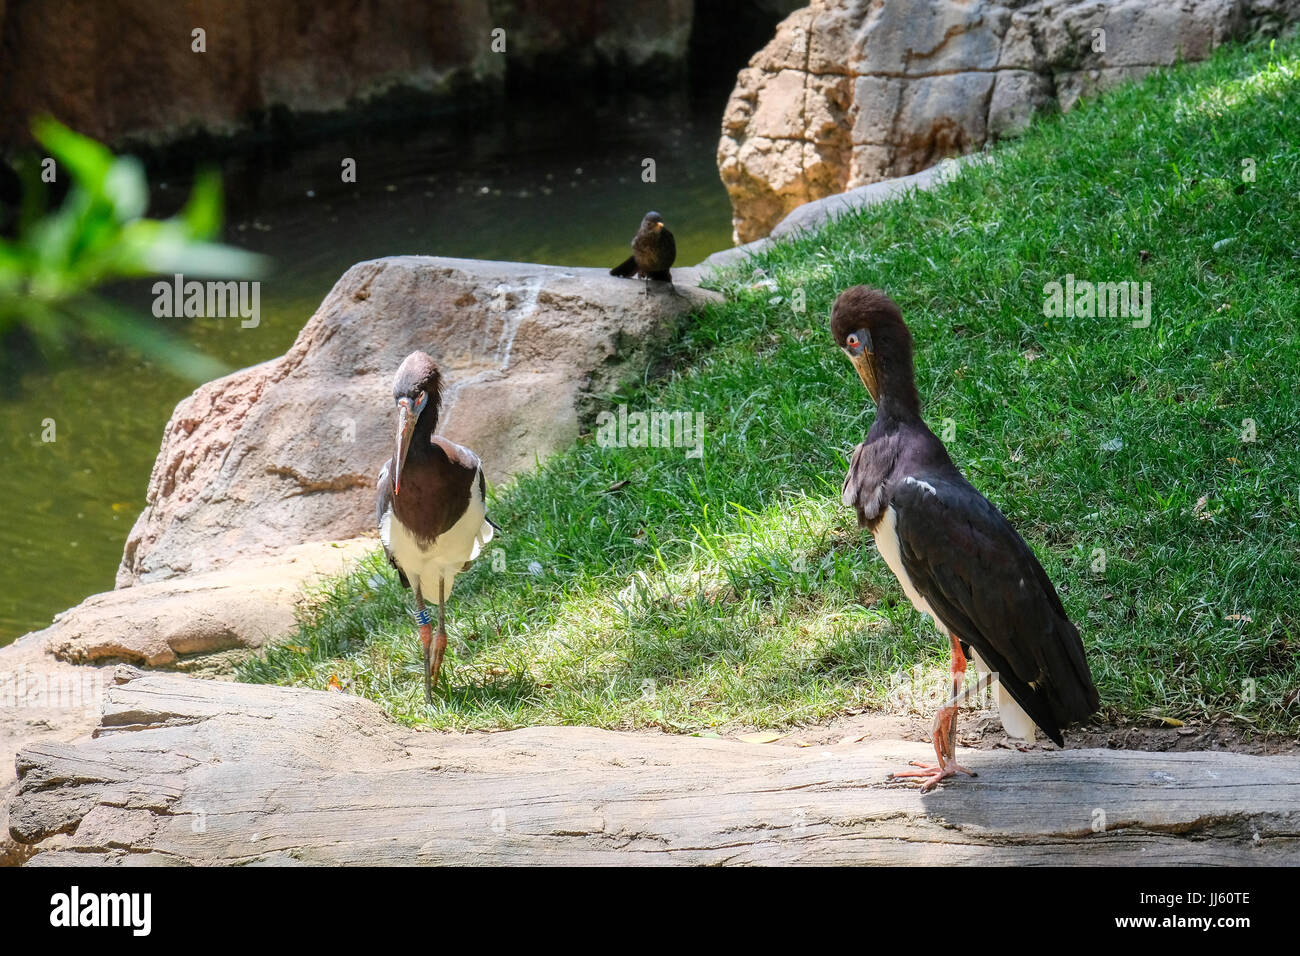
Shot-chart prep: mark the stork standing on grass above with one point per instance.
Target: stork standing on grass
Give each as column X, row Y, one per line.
column 432, row 517
column 955, row 555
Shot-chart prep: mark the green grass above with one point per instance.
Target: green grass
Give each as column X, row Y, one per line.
column 735, row 591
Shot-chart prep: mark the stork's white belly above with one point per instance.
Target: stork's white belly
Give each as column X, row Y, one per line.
column 442, row 559
column 1014, row 719
column 886, row 535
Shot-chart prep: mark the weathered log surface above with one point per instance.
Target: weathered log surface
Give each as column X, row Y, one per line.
column 188, row 771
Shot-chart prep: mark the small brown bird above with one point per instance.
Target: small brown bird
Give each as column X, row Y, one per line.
column 955, row 555
column 653, row 252
column 432, row 518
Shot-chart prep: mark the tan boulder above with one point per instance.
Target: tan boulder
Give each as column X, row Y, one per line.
column 243, row 605
column 849, row 92
column 287, row 451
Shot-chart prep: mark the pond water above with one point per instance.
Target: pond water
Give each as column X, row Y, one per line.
column 560, row 186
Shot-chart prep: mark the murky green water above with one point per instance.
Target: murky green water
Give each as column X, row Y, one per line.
column 519, row 185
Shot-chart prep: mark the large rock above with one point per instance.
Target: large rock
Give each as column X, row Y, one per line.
column 182, row 771
column 243, row 605
column 304, row 56
column 287, row 451
column 52, row 682
column 850, row 92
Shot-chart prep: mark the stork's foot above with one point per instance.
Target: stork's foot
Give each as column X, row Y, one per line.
column 931, row 773
column 931, row 770
column 435, row 646
column 944, row 736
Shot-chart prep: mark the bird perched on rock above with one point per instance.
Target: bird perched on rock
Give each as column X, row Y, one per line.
column 653, row 252
column 955, row 555
column 432, row 518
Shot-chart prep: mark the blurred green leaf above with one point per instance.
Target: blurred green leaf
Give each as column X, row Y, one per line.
column 100, row 235
column 126, row 188
column 202, row 213
column 87, row 161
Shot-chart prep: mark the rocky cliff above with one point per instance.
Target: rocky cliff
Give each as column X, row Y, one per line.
column 850, row 92
column 129, row 70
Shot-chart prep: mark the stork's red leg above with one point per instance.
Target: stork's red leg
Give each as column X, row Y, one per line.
column 943, row 731
column 440, row 642
column 426, row 639
column 958, row 679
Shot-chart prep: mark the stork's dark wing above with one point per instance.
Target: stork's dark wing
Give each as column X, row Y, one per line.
column 985, row 583
column 864, row 485
column 383, row 502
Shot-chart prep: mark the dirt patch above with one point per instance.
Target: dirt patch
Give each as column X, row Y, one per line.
column 982, row 730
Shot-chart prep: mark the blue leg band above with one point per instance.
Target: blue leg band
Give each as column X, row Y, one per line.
column 423, row 617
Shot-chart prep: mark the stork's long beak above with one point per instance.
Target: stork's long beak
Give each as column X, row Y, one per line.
column 405, row 425
column 862, row 363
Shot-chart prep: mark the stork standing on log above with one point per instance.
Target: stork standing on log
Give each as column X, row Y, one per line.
column 432, row 517
column 955, row 555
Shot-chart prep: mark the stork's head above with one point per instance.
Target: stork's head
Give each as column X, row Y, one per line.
column 417, row 391
column 868, row 326
column 652, row 222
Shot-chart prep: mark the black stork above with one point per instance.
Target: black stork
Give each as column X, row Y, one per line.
column 653, row 252
column 431, row 512
column 955, row 555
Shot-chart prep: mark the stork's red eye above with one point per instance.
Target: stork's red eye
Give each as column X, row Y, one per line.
column 853, row 341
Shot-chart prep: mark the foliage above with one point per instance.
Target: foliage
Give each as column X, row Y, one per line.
column 50, row 271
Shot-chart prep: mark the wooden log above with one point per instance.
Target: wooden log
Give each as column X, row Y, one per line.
column 189, row 771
